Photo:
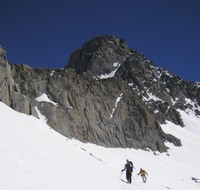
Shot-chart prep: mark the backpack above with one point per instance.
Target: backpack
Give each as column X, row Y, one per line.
column 131, row 165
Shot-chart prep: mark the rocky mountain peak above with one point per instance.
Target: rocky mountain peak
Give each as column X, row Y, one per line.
column 108, row 94
column 99, row 56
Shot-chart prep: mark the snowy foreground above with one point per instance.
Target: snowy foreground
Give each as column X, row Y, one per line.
column 35, row 157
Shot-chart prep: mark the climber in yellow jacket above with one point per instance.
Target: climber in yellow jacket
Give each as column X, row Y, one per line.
column 143, row 174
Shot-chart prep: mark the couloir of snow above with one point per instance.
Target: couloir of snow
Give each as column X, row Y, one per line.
column 35, row 157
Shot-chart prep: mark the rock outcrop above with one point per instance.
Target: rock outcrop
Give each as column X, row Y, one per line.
column 5, row 78
column 108, row 94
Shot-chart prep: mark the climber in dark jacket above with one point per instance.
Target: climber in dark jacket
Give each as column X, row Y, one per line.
column 129, row 169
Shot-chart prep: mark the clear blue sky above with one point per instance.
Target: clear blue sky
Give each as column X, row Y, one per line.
column 43, row 33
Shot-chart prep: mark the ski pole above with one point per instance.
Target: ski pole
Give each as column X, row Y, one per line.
column 120, row 175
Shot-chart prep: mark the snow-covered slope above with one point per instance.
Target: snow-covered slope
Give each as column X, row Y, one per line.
column 35, row 157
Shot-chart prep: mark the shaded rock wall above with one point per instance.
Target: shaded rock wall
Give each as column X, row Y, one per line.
column 119, row 111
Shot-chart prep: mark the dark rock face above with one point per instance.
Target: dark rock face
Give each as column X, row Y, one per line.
column 108, row 94
column 87, row 109
column 162, row 91
column 5, row 78
column 97, row 56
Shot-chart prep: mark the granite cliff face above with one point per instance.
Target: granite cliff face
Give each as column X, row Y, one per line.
column 108, row 94
column 163, row 92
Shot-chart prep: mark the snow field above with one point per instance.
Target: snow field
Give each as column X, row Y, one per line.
column 35, row 157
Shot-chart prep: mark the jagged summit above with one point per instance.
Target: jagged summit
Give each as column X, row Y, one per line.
column 107, row 56
column 123, row 110
column 104, row 54
column 99, row 55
